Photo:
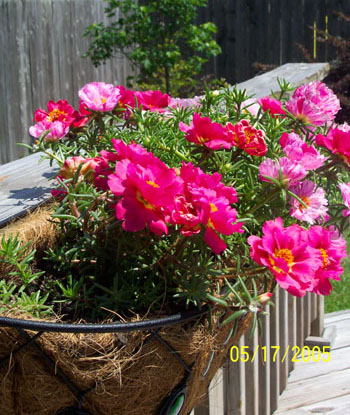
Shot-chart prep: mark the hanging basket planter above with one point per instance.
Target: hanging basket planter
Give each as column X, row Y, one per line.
column 153, row 366
column 150, row 367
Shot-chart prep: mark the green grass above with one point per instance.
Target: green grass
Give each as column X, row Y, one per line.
column 339, row 299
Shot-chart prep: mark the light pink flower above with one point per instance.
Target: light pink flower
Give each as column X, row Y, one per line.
column 272, row 105
column 332, row 248
column 313, row 103
column 57, row 130
column 298, row 150
column 98, row 96
column 250, row 106
column 185, row 102
column 314, row 199
column 345, row 190
column 203, row 131
column 337, row 141
column 248, row 138
column 287, row 172
column 286, row 253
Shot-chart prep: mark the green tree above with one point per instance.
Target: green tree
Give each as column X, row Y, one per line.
column 159, row 37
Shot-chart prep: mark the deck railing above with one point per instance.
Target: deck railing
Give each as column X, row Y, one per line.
column 239, row 388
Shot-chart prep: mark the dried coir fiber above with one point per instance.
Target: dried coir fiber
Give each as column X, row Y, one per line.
column 123, row 374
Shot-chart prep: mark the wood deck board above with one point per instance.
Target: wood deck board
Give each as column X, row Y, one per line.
column 323, row 387
column 24, row 184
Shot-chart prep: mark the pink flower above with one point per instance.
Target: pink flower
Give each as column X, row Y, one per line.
column 132, row 152
column 286, row 253
column 185, row 102
column 250, row 106
column 313, row 103
column 81, row 117
column 203, row 131
column 98, row 96
column 337, row 141
column 56, row 111
column 248, row 138
column 287, row 172
column 314, row 199
column 57, row 130
column 298, row 150
column 345, row 190
column 332, row 248
column 197, row 182
column 272, row 105
column 93, row 169
column 153, row 100
column 147, row 195
column 205, row 204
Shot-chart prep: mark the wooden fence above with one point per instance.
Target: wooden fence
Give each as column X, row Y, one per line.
column 268, row 31
column 41, row 44
column 241, row 388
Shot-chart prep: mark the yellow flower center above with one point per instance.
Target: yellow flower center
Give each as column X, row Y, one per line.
column 325, row 260
column 55, row 115
column 145, row 203
column 285, row 254
column 248, row 135
column 307, row 202
column 152, row 183
column 103, row 100
column 213, row 208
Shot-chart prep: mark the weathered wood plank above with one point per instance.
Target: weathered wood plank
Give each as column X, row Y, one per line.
column 295, row 73
column 275, row 356
column 24, row 184
column 264, row 366
column 310, row 391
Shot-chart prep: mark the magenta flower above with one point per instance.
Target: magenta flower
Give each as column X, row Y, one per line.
column 98, row 96
column 314, row 199
column 272, row 105
column 147, row 195
column 345, row 190
column 285, row 171
column 56, row 111
column 313, row 103
column 248, row 138
column 132, row 152
column 286, row 253
column 82, row 117
column 299, row 151
column 198, row 182
column 337, row 142
column 332, row 248
column 203, row 131
column 153, row 100
column 56, row 130
column 205, row 204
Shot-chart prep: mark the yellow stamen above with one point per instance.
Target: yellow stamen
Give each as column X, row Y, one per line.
column 55, row 115
column 285, row 254
column 152, row 183
column 325, row 260
column 146, row 204
column 213, row 208
column 307, row 202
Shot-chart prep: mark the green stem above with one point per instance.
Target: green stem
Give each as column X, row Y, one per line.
column 262, row 203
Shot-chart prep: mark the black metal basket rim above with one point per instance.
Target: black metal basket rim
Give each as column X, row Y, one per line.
column 46, row 326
